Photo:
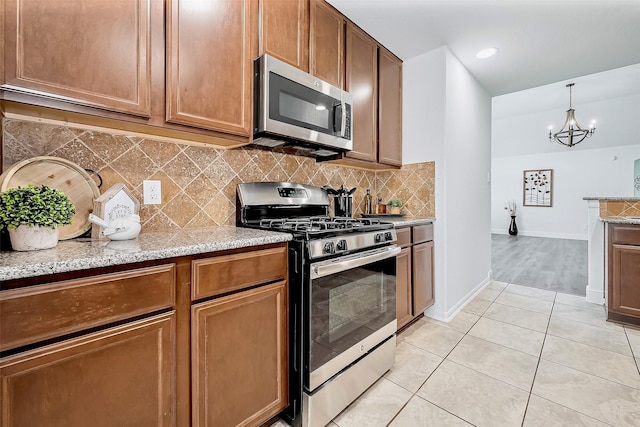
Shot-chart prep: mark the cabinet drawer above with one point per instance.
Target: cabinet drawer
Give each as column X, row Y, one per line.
column 625, row 234
column 422, row 233
column 404, row 236
column 218, row 275
column 35, row 313
column 122, row 376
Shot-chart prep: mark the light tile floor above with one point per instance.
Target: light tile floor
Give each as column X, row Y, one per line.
column 515, row 356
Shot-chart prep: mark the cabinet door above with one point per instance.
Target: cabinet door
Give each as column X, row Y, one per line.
column 422, row 277
column 389, row 109
column 90, row 52
column 362, row 82
column 404, row 309
column 239, row 357
column 124, row 376
column 326, row 43
column 284, row 31
column 624, row 291
column 211, row 46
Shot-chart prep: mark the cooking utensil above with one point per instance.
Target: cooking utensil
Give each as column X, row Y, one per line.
column 62, row 175
column 330, row 190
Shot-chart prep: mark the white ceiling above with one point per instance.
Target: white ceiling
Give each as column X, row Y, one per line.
column 540, row 41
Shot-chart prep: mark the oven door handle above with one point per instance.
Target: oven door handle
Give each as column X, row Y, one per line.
column 326, row 268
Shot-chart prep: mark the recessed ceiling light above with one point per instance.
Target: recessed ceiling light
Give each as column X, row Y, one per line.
column 487, row 53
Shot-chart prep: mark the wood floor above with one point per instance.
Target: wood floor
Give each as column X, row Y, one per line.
column 556, row 264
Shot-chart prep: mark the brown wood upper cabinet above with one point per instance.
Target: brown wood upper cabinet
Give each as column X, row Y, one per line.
column 389, row 108
column 210, row 51
column 373, row 76
column 326, row 43
column 284, row 31
column 362, row 82
column 91, row 52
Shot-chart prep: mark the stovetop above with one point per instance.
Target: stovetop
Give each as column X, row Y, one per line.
column 303, row 211
column 322, row 223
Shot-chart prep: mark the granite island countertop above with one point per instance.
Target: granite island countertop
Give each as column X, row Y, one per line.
column 84, row 253
column 614, row 199
column 621, row 220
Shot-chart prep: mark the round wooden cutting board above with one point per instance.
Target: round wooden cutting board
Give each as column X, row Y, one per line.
column 62, row 175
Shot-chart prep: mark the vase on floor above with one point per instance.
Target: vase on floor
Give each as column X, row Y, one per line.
column 513, row 228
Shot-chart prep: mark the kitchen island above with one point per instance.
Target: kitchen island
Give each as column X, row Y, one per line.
column 604, row 213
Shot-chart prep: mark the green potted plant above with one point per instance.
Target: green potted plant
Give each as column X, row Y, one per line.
column 33, row 216
column 394, row 206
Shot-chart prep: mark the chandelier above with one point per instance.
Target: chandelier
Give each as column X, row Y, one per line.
column 571, row 132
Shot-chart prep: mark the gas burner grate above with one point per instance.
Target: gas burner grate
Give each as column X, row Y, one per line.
column 317, row 223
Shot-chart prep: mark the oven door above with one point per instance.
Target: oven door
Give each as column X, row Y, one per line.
column 352, row 309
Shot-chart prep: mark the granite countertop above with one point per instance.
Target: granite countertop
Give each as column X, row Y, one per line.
column 621, row 219
column 408, row 221
column 614, row 199
column 82, row 254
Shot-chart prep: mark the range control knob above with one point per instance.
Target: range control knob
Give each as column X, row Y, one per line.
column 379, row 238
column 329, row 248
column 388, row 236
column 341, row 245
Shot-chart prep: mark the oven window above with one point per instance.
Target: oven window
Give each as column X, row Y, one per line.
column 347, row 307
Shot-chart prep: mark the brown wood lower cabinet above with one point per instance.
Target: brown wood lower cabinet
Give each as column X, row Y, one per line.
column 404, row 304
column 422, row 276
column 196, row 340
column 414, row 276
column 623, row 302
column 239, row 352
column 123, row 376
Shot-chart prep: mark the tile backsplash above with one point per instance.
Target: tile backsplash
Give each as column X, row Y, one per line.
column 610, row 208
column 198, row 183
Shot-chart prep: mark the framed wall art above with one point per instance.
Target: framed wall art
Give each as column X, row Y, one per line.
column 538, row 188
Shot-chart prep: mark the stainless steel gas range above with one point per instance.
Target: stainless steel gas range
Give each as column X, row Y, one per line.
column 342, row 306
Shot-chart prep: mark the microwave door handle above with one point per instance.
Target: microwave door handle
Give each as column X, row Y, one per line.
column 338, row 115
column 343, row 125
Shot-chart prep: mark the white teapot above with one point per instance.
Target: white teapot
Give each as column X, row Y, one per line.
column 119, row 228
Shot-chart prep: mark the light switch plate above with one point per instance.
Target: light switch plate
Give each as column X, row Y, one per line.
column 152, row 191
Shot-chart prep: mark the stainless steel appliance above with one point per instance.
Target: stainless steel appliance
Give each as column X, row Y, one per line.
column 342, row 306
column 292, row 107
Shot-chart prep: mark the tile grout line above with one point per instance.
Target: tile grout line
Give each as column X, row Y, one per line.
column 533, row 381
column 633, row 354
column 415, row 394
column 536, row 373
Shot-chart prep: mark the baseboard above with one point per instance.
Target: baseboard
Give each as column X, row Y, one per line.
column 569, row 236
column 595, row 296
column 450, row 314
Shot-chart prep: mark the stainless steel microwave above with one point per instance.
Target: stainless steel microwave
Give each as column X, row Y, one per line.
column 292, row 107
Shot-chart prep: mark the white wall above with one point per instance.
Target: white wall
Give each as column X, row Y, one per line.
column 520, row 142
column 576, row 174
column 446, row 119
column 467, row 189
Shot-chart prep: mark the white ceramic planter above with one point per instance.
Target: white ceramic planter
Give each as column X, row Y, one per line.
column 26, row 238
